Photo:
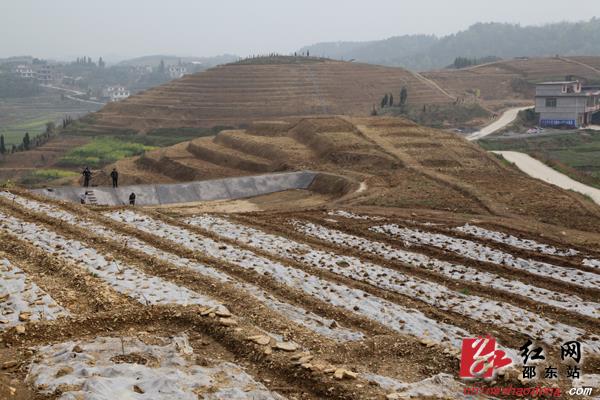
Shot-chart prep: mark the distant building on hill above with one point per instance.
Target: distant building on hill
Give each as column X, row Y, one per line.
column 25, row 71
column 176, row 71
column 115, row 93
column 49, row 73
column 566, row 103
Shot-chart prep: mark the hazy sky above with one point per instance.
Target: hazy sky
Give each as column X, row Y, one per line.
column 127, row 28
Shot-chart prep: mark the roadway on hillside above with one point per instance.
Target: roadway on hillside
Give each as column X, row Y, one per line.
column 505, row 119
column 539, row 170
column 76, row 92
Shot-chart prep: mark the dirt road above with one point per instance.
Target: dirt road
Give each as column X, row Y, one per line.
column 507, row 117
column 539, row 170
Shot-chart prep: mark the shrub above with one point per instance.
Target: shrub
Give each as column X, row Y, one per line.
column 102, row 151
column 46, row 175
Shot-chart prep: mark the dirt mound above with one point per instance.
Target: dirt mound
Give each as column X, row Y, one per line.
column 239, row 93
column 513, row 80
column 395, row 162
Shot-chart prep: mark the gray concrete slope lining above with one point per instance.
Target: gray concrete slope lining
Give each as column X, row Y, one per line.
column 215, row 189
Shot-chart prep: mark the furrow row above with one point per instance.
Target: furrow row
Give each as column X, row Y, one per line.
column 453, row 271
column 321, row 325
column 394, row 316
column 480, row 252
column 475, row 307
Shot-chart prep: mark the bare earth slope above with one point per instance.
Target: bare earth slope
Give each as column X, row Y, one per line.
column 400, row 163
column 237, row 93
column 513, row 79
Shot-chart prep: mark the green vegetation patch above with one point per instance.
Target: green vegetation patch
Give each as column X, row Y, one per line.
column 574, row 153
column 45, row 175
column 102, row 151
column 438, row 115
column 13, row 134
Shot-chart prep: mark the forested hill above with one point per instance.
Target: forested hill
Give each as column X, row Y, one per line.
column 424, row 52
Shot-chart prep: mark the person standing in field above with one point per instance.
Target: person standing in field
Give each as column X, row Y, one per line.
column 132, row 199
column 87, row 176
column 115, row 177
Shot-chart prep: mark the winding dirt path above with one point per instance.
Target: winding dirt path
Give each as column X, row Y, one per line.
column 506, row 118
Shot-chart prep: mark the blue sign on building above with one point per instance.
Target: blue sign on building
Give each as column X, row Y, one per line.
column 558, row 122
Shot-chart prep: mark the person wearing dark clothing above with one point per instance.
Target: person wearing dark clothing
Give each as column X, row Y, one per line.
column 87, row 176
column 132, row 199
column 115, row 177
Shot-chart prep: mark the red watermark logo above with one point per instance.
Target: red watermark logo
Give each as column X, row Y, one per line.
column 480, row 358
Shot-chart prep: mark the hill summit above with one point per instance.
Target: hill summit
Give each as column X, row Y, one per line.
column 241, row 92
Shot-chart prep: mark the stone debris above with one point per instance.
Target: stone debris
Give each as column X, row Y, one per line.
column 286, row 346
column 342, row 373
column 227, row 321
column 222, row 311
column 262, row 340
column 10, row 364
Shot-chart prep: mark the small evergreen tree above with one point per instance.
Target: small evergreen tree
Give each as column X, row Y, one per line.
column 161, row 67
column 403, row 96
column 26, row 141
column 2, row 146
column 391, row 101
column 384, row 101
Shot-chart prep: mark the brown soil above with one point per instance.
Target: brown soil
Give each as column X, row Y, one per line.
column 498, row 82
column 402, row 165
column 99, row 311
column 17, row 165
column 233, row 94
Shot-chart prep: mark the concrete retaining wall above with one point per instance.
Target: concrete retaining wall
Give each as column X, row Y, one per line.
column 217, row 189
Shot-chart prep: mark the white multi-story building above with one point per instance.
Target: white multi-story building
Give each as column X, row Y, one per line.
column 47, row 73
column 566, row 103
column 115, row 93
column 25, row 72
column 176, row 71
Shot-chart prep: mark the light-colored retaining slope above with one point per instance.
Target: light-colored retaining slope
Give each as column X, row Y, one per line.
column 539, row 170
column 217, row 189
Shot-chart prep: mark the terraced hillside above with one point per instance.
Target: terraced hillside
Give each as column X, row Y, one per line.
column 329, row 304
column 241, row 92
column 371, row 161
column 513, row 79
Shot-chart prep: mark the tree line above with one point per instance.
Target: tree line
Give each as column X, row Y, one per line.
column 388, row 99
column 29, row 143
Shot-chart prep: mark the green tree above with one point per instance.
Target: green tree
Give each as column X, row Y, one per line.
column 26, row 141
column 403, row 96
column 391, row 100
column 384, row 101
column 2, row 146
column 50, row 127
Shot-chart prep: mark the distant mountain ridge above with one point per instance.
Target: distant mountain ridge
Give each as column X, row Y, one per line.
column 425, row 52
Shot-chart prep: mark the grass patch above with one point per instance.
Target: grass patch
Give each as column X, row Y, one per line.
column 102, row 151
column 574, row 153
column 13, row 134
column 45, row 175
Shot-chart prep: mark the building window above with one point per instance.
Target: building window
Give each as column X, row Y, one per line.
column 551, row 102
